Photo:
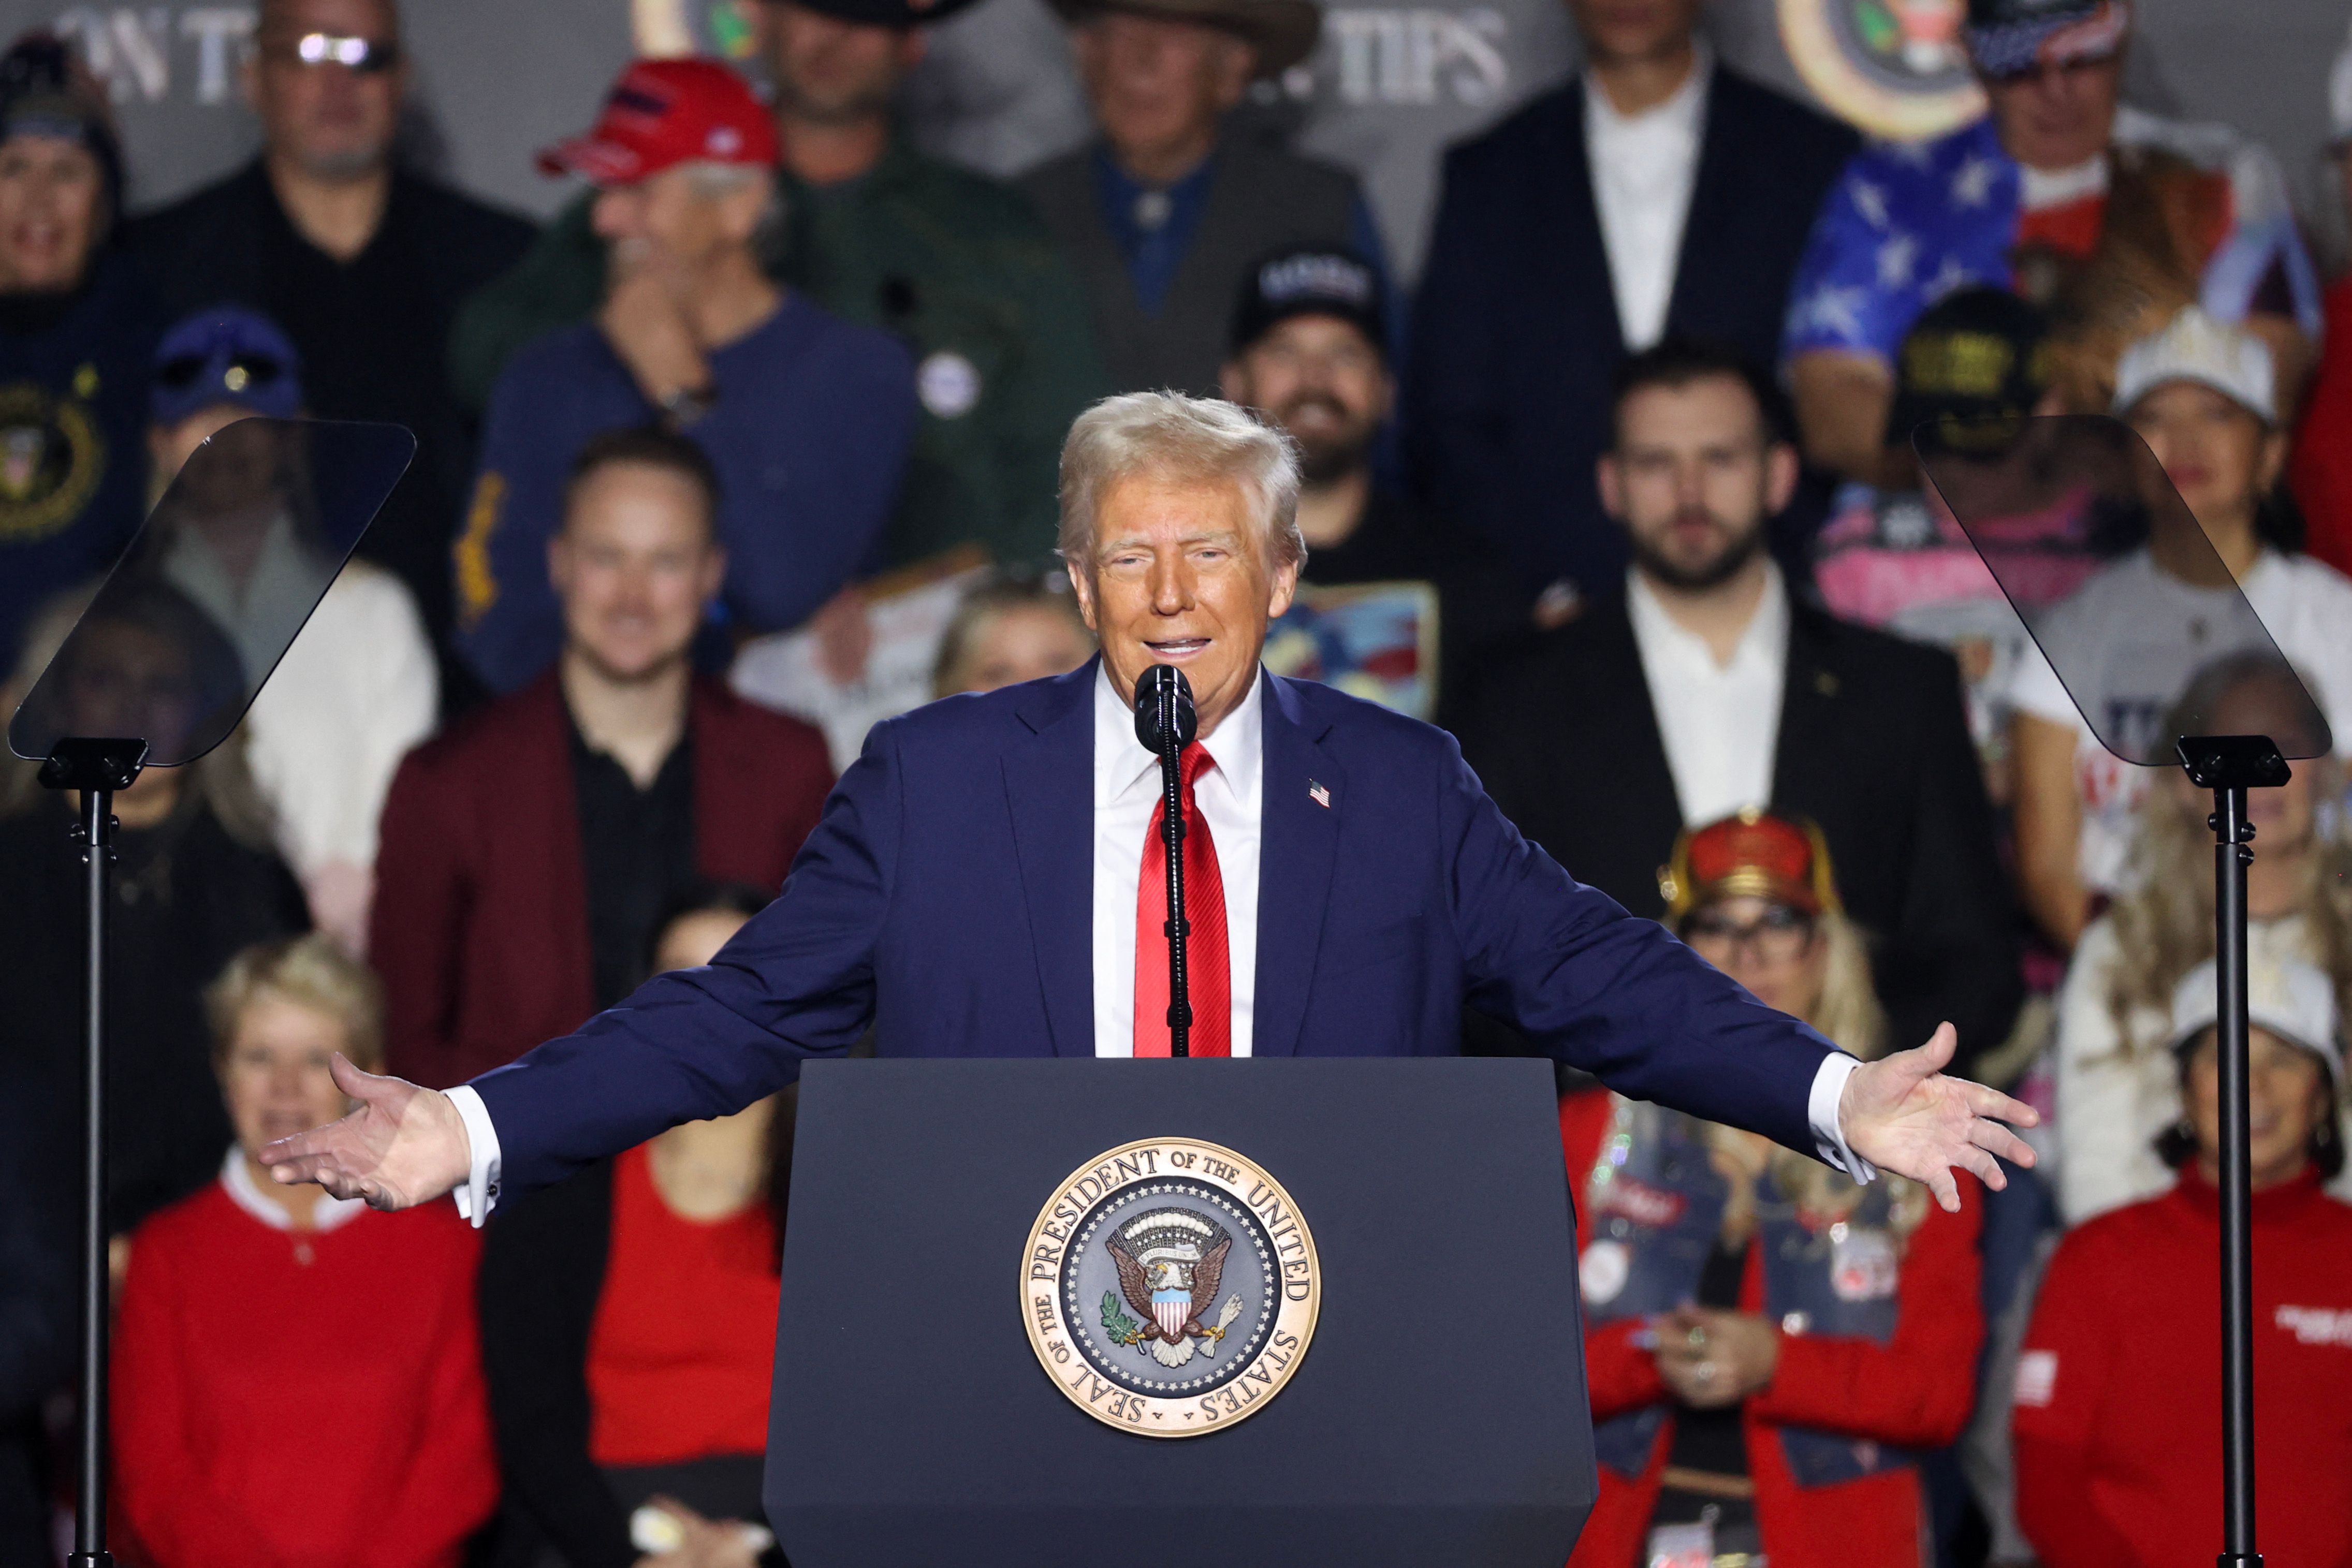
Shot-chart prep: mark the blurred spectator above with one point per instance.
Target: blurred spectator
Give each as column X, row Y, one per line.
column 2321, row 468
column 38, row 1276
column 806, row 418
column 1767, row 1344
column 1166, row 211
column 2118, row 1447
column 496, row 928
column 77, row 336
column 1660, row 193
column 240, row 1305
column 357, row 688
column 2199, row 392
column 2117, row 1087
column 2111, row 218
column 1710, row 687
column 361, row 260
column 1010, row 629
column 1310, row 353
column 879, row 233
column 195, row 881
column 629, row 1323
column 1896, row 559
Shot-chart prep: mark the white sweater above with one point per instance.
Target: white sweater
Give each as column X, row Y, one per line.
column 356, row 690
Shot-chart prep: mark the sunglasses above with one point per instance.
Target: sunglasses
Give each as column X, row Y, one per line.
column 242, row 372
column 367, row 56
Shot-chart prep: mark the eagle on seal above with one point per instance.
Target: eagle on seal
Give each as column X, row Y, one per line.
column 1170, row 1262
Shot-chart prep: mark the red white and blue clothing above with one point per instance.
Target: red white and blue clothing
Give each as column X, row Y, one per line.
column 1908, row 223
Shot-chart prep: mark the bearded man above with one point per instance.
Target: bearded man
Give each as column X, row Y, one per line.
column 1310, row 354
column 1710, row 687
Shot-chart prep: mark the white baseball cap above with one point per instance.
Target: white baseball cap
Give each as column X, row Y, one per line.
column 2292, row 1000
column 2195, row 346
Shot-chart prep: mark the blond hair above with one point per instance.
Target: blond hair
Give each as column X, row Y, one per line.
column 311, row 972
column 1167, row 435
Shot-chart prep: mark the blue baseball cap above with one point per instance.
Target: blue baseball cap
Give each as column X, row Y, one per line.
column 227, row 354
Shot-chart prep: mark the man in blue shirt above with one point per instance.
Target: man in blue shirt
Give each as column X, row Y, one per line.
column 806, row 418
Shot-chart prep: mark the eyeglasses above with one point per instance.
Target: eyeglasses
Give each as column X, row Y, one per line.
column 1779, row 936
column 367, row 56
column 239, row 373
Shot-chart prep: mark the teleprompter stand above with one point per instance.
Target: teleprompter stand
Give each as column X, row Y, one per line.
column 96, row 769
column 157, row 671
column 2166, row 661
column 2230, row 765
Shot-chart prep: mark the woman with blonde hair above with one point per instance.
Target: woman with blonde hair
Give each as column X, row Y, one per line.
column 1766, row 1341
column 238, row 1306
column 2116, row 1086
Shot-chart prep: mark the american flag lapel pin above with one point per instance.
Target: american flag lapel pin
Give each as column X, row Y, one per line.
column 1320, row 795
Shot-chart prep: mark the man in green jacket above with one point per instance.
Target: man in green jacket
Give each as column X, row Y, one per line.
column 951, row 261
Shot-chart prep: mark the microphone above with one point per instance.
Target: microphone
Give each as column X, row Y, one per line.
column 1163, row 701
column 1165, row 724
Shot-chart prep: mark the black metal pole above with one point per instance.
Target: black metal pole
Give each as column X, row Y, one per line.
column 2232, row 836
column 97, row 834
column 1171, row 836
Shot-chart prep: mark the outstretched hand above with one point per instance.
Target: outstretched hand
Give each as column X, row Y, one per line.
column 402, row 1145
column 1902, row 1114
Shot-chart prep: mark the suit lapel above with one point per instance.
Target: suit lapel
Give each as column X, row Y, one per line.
column 1715, row 194
column 1049, row 788
column 1567, row 216
column 1298, row 841
column 1639, row 796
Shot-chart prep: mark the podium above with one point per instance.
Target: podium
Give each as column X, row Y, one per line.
column 1436, row 1415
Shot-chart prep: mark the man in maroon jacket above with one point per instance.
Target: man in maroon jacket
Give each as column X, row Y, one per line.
column 528, row 851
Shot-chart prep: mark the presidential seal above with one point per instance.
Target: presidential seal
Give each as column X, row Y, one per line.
column 1169, row 1288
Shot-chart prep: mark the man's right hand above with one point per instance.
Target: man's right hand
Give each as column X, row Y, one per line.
column 402, row 1146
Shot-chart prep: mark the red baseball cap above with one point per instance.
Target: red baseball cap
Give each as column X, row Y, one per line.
column 666, row 112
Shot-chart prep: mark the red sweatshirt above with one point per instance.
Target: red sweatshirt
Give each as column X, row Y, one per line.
column 1914, row 1391
column 273, row 1411
column 2118, row 1420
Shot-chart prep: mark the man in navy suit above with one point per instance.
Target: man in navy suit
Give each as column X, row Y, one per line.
column 986, row 883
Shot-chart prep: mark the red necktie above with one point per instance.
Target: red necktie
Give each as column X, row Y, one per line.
column 1204, row 906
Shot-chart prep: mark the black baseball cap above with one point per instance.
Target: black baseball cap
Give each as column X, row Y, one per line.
column 1310, row 282
column 1977, row 355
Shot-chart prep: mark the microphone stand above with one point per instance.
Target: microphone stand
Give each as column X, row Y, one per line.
column 1171, row 836
column 2230, row 765
column 98, row 769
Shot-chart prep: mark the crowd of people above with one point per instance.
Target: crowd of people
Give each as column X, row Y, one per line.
column 758, row 438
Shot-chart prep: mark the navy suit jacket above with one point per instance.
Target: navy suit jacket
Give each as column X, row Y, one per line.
column 946, row 898
column 1515, row 341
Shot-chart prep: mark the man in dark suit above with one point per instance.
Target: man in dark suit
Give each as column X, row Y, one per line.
column 1704, row 686
column 983, row 882
column 1660, row 193
column 527, row 850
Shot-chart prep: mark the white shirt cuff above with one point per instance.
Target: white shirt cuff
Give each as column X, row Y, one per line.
column 480, row 1193
column 1822, row 1111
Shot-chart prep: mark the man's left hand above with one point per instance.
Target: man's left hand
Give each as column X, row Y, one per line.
column 1903, row 1115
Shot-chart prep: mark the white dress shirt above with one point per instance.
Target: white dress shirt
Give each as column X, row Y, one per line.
column 1643, row 166
column 1231, row 796
column 1720, row 723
